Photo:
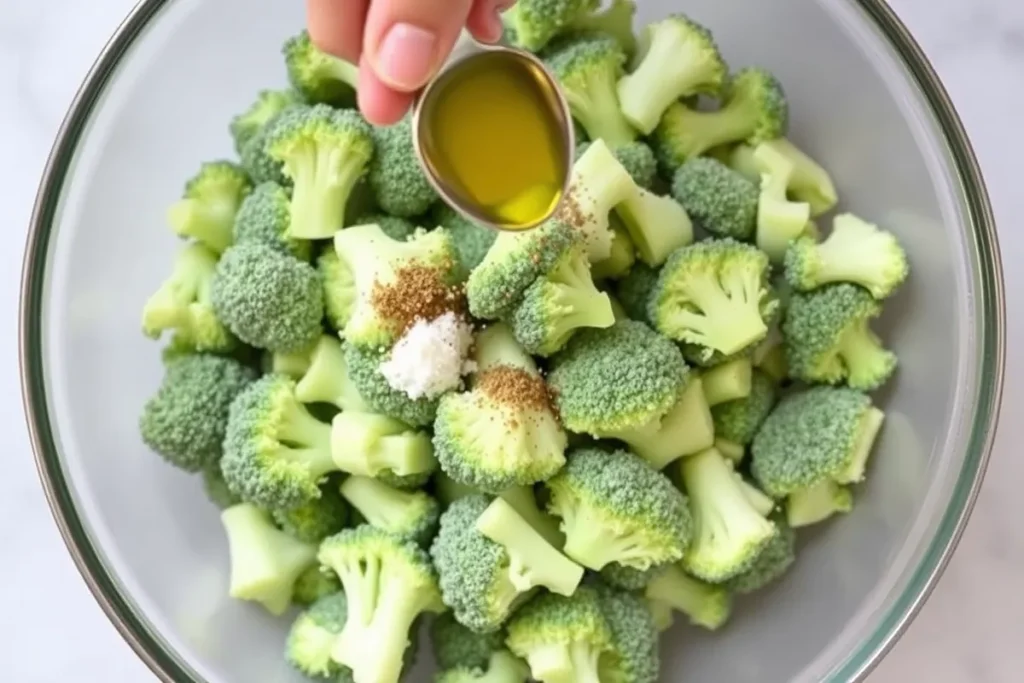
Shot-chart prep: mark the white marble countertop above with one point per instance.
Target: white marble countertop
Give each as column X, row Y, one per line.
column 52, row 629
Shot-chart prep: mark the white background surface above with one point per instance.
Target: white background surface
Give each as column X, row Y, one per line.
column 50, row 628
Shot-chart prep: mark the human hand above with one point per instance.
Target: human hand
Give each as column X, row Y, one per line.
column 398, row 44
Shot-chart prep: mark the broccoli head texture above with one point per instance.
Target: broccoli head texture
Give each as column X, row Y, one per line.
column 312, row 636
column 633, row 655
column 396, row 177
column 634, row 291
column 774, row 561
column 398, row 229
column 739, row 420
column 316, row 519
column 264, row 217
column 364, row 369
column 267, row 105
column 533, row 23
column 456, row 645
column 216, row 489
column 719, row 199
column 409, row 514
column 206, row 211
column 314, row 583
column 628, row 578
column 471, row 240
column 320, row 77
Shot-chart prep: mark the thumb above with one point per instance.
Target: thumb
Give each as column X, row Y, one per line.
column 406, row 41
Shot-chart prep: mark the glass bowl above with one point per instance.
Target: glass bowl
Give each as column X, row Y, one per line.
column 864, row 102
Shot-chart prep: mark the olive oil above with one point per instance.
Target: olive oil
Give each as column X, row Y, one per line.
column 493, row 133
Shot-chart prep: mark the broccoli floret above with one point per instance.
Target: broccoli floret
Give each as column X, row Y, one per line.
column 856, row 251
column 535, row 22
column 558, row 304
column 471, row 240
column 275, row 452
column 809, row 182
column 314, row 583
column 206, row 211
column 616, row 508
column 628, row 578
column 678, row 58
column 713, row 295
column 312, row 636
column 779, row 220
column 464, row 655
column 616, row 378
column 562, row 638
column 821, row 434
column 324, row 153
column 817, row 503
column 320, row 77
column 729, row 381
column 739, row 420
column 389, row 582
column 634, row 291
column 324, row 378
column 419, row 272
column 396, row 176
column 597, row 184
column 264, row 217
column 364, row 370
column 448, row 490
column 614, row 18
column 257, row 163
column 368, row 444
column 829, row 338
column 503, row 431
column 588, row 67
column 339, row 288
column 622, row 256
column 657, row 225
column 704, row 604
column 772, row 563
column 265, row 561
column 316, row 519
column 185, row 420
column 502, row 667
column 268, row 299
column 633, row 655
column 729, row 532
column 268, row 104
column 523, row 500
column 216, row 489
column 754, row 110
column 398, row 229
column 636, row 157
column 719, row 199
column 511, row 265
column 409, row 514
column 182, row 303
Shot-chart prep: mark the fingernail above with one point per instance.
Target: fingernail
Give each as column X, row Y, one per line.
column 405, row 58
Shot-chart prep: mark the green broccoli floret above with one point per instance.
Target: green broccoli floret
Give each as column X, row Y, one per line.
column 312, row 636
column 264, row 217
column 634, row 291
column 409, row 514
column 614, row 18
column 268, row 104
column 622, row 256
column 265, row 561
column 719, row 199
column 729, row 381
column 268, row 299
column 388, row 582
column 216, row 489
column 257, row 163
column 490, row 560
column 616, row 508
column 185, row 420
column 809, row 182
column 320, row 77
column 678, row 58
column 713, row 295
column 275, row 452
column 628, row 578
column 856, row 251
column 597, row 184
column 398, row 229
column 817, row 503
column 772, row 563
column 316, row 519
column 511, row 265
column 616, row 378
column 588, row 67
column 636, row 157
column 633, row 655
column 380, row 269
column 657, row 225
column 364, row 369
column 815, row 436
column 535, row 22
column 339, row 288
column 779, row 220
column 396, row 176
column 314, row 583
column 704, row 604
column 754, row 110
column 324, row 377
column 558, row 304
column 729, row 532
column 502, row 667
column 324, row 153
column 464, row 655
column 471, row 240
column 563, row 639
column 206, row 211
column 503, row 431
column 739, row 420
column 183, row 303
column 829, row 339
column 369, row 444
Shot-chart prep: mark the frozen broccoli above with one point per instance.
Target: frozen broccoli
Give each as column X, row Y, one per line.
column 267, row 298
column 312, row 636
column 622, row 256
column 636, row 157
column 409, row 514
column 471, row 240
column 633, row 654
column 264, row 217
column 809, row 182
column 396, row 177
column 597, row 184
column 320, row 77
column 268, row 104
column 704, row 604
column 657, row 225
column 324, row 153
column 615, row 507
column 774, row 561
column 316, row 519
column 634, row 291
column 856, row 251
column 719, row 199
column 829, row 339
column 369, row 444
column 490, row 560
column 779, row 220
column 738, row 420
column 364, row 370
column 206, row 211
column 729, row 381
column 323, row 377
column 678, row 58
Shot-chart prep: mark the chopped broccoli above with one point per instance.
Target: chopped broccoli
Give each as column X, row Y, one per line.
column 409, row 514
column 264, row 217
column 265, row 562
column 636, row 157
column 324, row 153
column 316, row 519
column 471, row 240
column 268, row 104
column 754, row 110
column 398, row 229
column 817, row 503
column 314, row 583
column 464, row 655
column 614, row 18
column 633, row 655
column 779, row 220
column 729, row 532
column 622, row 256
column 535, row 22
column 678, row 58
column 502, row 667
column 829, row 339
column 719, row 199
column 730, row 449
column 216, row 489
column 658, row 225
column 597, row 183
column 772, row 563
column 704, row 604
column 713, row 295
column 634, row 291
column 448, row 490
column 738, row 420
column 587, row 67
column 616, row 508
column 183, row 303
column 490, row 560
column 628, row 578
column 396, row 177
column 364, row 369
column 260, row 166
column 312, row 636
column 368, row 444
column 523, row 500
column 268, row 299
column 206, row 211
column 388, row 582
column 661, row 614
column 323, row 377
column 729, row 381
column 339, row 288
column 320, row 77
column 809, row 182
column 856, row 251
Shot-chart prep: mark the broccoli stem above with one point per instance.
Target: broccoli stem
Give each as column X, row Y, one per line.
column 304, row 438
column 379, row 504
column 730, row 449
column 323, row 180
column 661, row 614
column 367, row 444
column 857, row 252
column 591, row 543
column 727, row 382
column 533, row 561
column 574, row 662
column 581, row 304
column 867, row 362
column 496, row 345
column 704, row 130
column 818, row 503
column 867, row 432
column 730, row 317
column 596, row 107
column 705, row 604
column 657, row 225
column 524, row 502
column 210, row 222
column 758, row 499
column 326, row 379
column 779, row 221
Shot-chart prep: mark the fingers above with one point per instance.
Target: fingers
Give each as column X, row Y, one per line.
column 484, row 20
column 379, row 104
column 336, row 26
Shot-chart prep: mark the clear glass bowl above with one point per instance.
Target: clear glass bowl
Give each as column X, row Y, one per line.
column 864, row 101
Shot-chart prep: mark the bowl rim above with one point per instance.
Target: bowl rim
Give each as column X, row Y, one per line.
column 166, row 664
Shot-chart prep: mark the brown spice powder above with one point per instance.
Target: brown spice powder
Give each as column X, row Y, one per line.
column 514, row 387
column 571, row 211
column 417, row 293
